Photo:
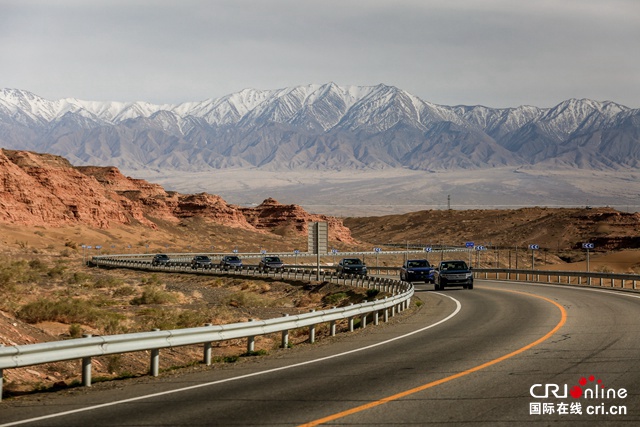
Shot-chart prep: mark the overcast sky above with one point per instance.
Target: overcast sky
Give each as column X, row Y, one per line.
column 498, row 53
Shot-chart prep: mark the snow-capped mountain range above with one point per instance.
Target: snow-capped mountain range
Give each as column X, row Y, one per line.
column 322, row 127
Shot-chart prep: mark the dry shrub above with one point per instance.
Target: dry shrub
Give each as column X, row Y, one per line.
column 265, row 287
column 160, row 318
column 123, row 291
column 154, row 295
column 247, row 300
column 68, row 311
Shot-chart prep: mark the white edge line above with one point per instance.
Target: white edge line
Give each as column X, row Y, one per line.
column 148, row 396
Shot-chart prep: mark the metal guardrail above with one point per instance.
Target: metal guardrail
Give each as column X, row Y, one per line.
column 609, row 280
column 90, row 346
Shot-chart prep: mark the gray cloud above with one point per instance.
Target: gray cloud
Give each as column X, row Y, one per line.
column 493, row 52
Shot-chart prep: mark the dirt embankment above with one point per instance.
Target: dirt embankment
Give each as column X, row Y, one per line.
column 550, row 228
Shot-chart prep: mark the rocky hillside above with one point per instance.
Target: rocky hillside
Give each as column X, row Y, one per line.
column 46, row 190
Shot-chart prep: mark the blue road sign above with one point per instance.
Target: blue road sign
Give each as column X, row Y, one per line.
column 534, row 247
column 588, row 246
column 469, row 244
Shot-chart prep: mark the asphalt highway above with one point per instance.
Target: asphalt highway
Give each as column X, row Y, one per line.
column 502, row 354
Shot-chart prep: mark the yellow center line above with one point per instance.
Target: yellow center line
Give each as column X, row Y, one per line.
column 405, row 393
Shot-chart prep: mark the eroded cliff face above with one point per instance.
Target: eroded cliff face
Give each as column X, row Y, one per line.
column 46, row 190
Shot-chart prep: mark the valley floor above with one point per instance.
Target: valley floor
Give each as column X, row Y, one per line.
column 396, row 191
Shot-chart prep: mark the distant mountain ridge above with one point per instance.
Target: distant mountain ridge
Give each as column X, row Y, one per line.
column 322, row 127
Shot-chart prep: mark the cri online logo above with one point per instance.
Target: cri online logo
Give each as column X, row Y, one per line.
column 576, row 390
column 589, row 388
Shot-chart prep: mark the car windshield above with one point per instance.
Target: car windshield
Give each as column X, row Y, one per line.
column 272, row 259
column 354, row 261
column 202, row 258
column 233, row 258
column 455, row 265
column 162, row 256
column 418, row 263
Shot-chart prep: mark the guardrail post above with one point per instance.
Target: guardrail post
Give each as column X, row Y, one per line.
column 86, row 367
column 285, row 335
column 375, row 317
column 154, row 368
column 351, row 322
column 312, row 331
column 251, row 342
column 363, row 320
column 332, row 327
column 207, row 350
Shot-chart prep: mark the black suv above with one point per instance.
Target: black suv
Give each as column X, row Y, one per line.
column 201, row 261
column 230, row 261
column 270, row 263
column 351, row 266
column 453, row 273
column 160, row 259
column 417, row 270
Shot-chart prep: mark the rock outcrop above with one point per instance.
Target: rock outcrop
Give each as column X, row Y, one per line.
column 47, row 190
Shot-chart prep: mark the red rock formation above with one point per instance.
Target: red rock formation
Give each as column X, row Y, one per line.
column 43, row 189
column 272, row 215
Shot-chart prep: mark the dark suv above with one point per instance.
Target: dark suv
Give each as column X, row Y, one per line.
column 417, row 270
column 230, row 261
column 160, row 259
column 201, row 261
column 270, row 263
column 351, row 266
column 453, row 273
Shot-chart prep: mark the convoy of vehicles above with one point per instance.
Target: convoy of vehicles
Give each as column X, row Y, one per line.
column 446, row 273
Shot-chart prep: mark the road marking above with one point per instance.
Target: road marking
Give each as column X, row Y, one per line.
column 149, row 396
column 397, row 396
column 610, row 291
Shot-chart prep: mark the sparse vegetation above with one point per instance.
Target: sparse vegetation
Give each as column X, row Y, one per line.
column 154, row 295
column 336, row 299
column 158, row 318
column 65, row 311
column 75, row 330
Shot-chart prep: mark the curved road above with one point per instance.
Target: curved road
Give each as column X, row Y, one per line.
column 493, row 355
